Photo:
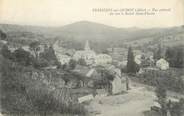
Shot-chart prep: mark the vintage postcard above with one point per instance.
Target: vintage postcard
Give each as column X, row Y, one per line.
column 91, row 57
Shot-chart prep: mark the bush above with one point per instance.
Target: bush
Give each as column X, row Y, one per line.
column 6, row 52
column 19, row 97
column 72, row 64
column 3, row 35
column 168, row 79
column 82, row 62
column 175, row 56
column 132, row 66
column 40, row 63
column 23, row 57
column 49, row 56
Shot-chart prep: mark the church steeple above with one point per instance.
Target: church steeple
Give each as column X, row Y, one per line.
column 87, row 47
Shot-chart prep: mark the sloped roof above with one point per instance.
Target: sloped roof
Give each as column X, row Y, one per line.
column 90, row 72
column 81, row 69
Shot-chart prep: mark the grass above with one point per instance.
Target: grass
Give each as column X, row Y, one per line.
column 171, row 79
column 23, row 95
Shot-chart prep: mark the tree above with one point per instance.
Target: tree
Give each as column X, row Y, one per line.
column 6, row 52
column 162, row 96
column 64, row 66
column 180, row 58
column 105, row 80
column 81, row 61
column 177, row 108
column 23, row 57
column 49, row 56
column 3, row 35
column 158, row 54
column 169, row 54
column 132, row 67
column 72, row 64
column 40, row 63
column 181, row 102
column 34, row 46
column 175, row 56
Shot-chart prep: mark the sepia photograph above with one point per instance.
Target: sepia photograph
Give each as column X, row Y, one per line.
column 91, row 57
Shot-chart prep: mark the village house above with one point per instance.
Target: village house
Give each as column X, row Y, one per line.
column 91, row 58
column 61, row 54
column 162, row 64
column 12, row 46
column 83, row 70
column 144, row 60
column 118, row 54
column 41, row 48
column 148, row 70
column 63, row 59
column 102, row 59
column 27, row 49
column 59, row 49
column 122, row 64
column 137, row 52
column 3, row 42
column 12, row 49
column 138, row 59
column 91, row 74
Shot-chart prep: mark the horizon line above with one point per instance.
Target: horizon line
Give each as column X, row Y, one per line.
column 58, row 26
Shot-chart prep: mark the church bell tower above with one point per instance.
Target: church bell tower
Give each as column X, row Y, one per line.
column 87, row 47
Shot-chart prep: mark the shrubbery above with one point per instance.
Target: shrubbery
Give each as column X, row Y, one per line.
column 25, row 58
column 132, row 66
column 175, row 56
column 19, row 96
column 168, row 79
column 175, row 108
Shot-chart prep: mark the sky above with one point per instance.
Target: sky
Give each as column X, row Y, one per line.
column 63, row 12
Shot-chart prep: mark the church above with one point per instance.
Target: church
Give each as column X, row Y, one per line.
column 90, row 57
column 87, row 54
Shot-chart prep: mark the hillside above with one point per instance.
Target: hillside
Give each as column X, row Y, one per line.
column 26, row 90
column 101, row 36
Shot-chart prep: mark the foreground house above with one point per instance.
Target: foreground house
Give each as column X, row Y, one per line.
column 119, row 83
column 91, row 74
column 96, row 78
column 116, row 85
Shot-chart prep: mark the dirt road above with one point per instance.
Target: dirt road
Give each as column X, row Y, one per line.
column 133, row 103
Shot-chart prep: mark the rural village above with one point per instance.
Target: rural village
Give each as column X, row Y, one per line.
column 43, row 77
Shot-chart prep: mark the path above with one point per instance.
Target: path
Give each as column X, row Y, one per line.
column 132, row 103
